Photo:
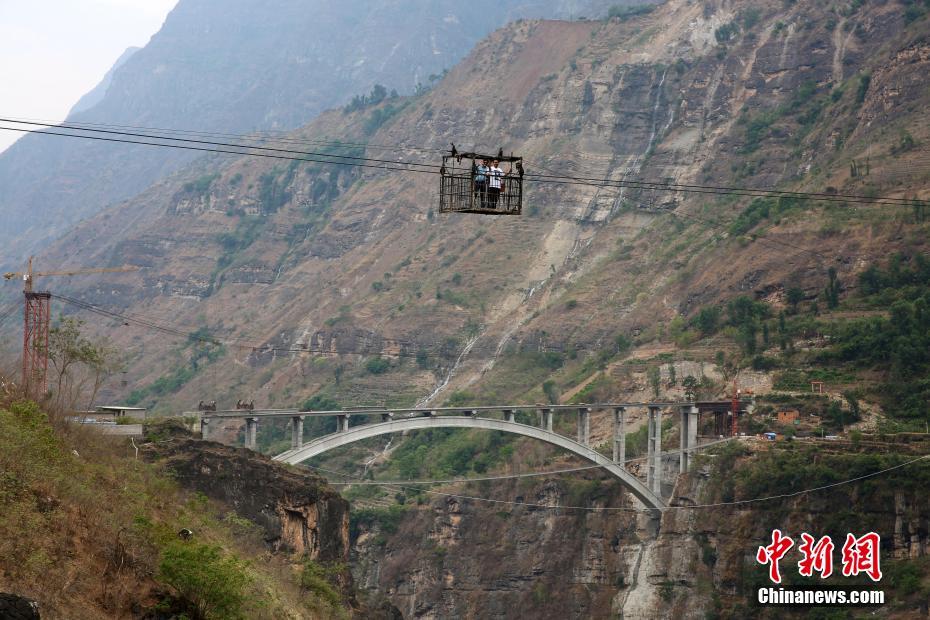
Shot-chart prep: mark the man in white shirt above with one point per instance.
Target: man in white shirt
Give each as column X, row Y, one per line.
column 495, row 183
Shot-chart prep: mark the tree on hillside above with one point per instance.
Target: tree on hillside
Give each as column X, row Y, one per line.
column 78, row 361
column 654, row 376
column 794, row 296
column 832, row 291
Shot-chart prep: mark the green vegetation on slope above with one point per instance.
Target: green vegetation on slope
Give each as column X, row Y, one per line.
column 98, row 531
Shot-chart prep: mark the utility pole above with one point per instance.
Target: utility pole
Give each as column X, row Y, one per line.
column 36, row 318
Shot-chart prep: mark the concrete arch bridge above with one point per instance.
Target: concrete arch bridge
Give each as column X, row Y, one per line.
column 501, row 418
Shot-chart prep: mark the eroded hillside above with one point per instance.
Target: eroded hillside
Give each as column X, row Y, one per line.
column 290, row 256
column 235, row 66
column 595, row 293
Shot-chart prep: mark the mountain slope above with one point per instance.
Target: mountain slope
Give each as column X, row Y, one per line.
column 235, row 66
column 595, row 294
column 602, row 99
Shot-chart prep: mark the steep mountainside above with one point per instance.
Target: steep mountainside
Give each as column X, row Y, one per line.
column 593, row 294
column 270, row 256
column 237, row 66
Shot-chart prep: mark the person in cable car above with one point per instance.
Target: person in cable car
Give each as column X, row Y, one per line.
column 495, row 184
column 481, row 183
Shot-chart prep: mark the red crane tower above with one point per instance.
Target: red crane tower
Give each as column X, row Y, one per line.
column 36, row 318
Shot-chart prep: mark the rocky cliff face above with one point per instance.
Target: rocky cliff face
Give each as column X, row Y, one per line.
column 467, row 559
column 235, row 67
column 295, row 508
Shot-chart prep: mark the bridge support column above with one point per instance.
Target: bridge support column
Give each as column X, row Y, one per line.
column 688, row 432
column 546, row 421
column 297, row 432
column 654, row 454
column 509, row 415
column 620, row 436
column 251, row 433
column 205, row 428
column 584, row 425
column 342, row 423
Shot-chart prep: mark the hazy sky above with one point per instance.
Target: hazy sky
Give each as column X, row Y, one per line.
column 54, row 51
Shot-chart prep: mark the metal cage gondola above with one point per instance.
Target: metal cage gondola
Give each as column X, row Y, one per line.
column 469, row 183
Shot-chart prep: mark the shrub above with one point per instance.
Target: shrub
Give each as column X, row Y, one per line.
column 202, row 185
column 751, row 17
column 377, row 365
column 317, row 580
column 551, row 390
column 209, row 582
column 624, row 13
column 725, row 33
column 623, row 343
column 865, row 80
column 708, row 320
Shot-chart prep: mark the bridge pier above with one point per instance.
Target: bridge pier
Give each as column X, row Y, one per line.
column 688, row 432
column 205, row 428
column 546, row 421
column 509, row 415
column 251, row 433
column 297, row 432
column 584, row 425
column 654, row 450
column 620, row 436
column 342, row 423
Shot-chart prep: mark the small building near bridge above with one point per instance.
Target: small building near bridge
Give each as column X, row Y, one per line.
column 114, row 412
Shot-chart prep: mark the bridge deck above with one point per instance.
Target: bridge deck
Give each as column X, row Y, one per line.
column 401, row 411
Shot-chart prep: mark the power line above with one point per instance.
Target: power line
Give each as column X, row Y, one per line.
column 623, row 509
column 240, row 343
column 716, row 189
column 268, row 135
column 408, row 166
column 532, row 474
column 219, row 151
column 343, row 159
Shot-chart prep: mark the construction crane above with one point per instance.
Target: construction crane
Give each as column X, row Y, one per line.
column 36, row 317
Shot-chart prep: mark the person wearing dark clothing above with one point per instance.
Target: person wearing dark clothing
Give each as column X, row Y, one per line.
column 481, row 183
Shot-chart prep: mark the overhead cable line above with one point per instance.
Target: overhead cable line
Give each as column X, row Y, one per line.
column 219, row 151
column 733, row 503
column 234, row 342
column 408, row 166
column 431, row 167
column 532, row 474
column 714, row 189
column 255, row 135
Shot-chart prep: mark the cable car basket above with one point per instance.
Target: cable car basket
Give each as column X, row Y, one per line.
column 474, row 183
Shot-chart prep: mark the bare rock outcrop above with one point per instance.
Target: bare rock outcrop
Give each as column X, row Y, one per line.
column 296, row 509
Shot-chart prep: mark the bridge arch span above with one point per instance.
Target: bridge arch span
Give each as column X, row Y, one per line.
column 357, row 433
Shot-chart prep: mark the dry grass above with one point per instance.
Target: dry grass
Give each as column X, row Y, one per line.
column 82, row 523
